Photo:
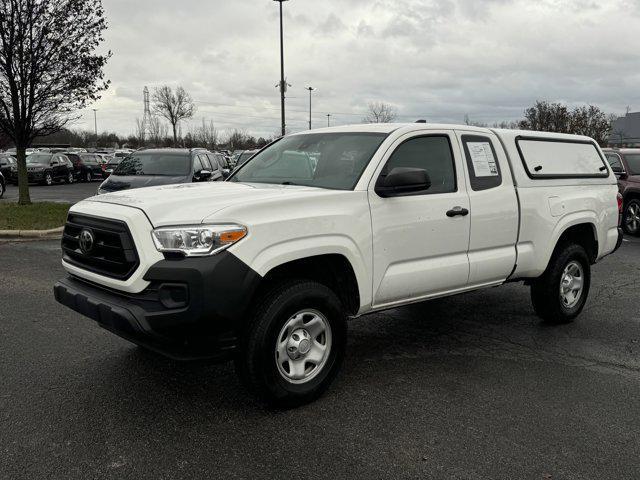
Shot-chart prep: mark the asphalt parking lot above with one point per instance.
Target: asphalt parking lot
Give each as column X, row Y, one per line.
column 58, row 192
column 467, row 387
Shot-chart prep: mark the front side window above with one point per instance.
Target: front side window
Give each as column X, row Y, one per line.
column 431, row 153
column 614, row 162
column 633, row 160
column 149, row 163
column 324, row 160
column 197, row 164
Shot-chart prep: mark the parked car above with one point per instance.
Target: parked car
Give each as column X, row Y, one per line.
column 3, row 184
column 625, row 163
column 46, row 168
column 244, row 156
column 266, row 267
column 6, row 162
column 86, row 166
column 111, row 164
column 162, row 166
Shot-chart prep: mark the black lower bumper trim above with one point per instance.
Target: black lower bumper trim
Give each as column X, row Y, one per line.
column 204, row 326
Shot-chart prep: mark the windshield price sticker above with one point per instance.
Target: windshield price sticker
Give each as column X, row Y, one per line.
column 484, row 163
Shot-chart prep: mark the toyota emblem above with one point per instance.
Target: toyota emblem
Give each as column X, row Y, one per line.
column 86, row 241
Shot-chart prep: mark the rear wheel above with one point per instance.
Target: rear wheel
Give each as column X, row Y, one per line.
column 559, row 295
column 70, row 178
column 88, row 177
column 294, row 344
column 631, row 217
column 1, row 189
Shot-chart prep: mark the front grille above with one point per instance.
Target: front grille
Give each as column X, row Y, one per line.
column 113, row 253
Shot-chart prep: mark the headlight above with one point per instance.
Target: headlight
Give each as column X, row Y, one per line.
column 197, row 240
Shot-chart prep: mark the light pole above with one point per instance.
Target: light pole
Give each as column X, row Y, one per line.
column 95, row 123
column 311, row 89
column 283, row 86
column 328, row 116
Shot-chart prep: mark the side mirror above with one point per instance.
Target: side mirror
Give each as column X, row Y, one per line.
column 225, row 173
column 401, row 181
column 204, row 174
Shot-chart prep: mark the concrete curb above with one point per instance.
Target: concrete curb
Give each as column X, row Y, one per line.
column 33, row 234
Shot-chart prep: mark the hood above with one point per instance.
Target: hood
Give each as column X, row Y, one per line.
column 124, row 182
column 191, row 203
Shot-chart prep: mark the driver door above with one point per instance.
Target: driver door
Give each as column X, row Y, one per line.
column 421, row 240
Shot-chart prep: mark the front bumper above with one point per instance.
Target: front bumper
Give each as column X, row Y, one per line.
column 35, row 176
column 32, row 177
column 192, row 309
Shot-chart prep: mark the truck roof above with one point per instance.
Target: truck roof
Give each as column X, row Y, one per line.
column 391, row 127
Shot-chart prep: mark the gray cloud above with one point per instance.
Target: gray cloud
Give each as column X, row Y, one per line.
column 433, row 59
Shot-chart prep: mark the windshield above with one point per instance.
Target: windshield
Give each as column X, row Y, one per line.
column 114, row 161
column 633, row 160
column 162, row 163
column 39, row 158
column 325, row 160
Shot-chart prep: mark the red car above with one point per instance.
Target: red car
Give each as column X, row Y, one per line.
column 625, row 163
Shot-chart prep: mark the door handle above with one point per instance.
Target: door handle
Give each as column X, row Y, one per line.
column 457, row 211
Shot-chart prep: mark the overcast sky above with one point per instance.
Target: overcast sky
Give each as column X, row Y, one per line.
column 431, row 59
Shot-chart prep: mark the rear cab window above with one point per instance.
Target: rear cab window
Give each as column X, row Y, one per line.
column 545, row 158
column 482, row 162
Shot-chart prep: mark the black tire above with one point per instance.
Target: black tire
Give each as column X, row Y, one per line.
column 2, row 189
column 69, row 179
column 631, row 217
column 545, row 290
column 88, row 177
column 255, row 360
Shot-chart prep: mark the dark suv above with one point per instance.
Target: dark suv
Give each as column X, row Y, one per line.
column 162, row 166
column 46, row 168
column 86, row 166
column 625, row 163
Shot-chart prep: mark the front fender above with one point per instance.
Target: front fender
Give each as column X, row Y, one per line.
column 276, row 254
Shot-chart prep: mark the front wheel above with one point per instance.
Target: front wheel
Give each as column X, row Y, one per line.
column 293, row 344
column 1, row 189
column 559, row 295
column 70, row 178
column 48, row 179
column 631, row 218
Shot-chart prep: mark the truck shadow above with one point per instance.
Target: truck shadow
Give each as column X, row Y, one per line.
column 474, row 324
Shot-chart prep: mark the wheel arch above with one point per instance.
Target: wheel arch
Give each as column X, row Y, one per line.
column 331, row 269
column 582, row 232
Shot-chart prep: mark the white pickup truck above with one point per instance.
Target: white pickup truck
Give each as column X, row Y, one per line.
column 319, row 226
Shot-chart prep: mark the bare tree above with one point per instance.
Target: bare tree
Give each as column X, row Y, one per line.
column 48, row 68
column 380, row 112
column 173, row 106
column 206, row 135
column 140, row 131
column 158, row 131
